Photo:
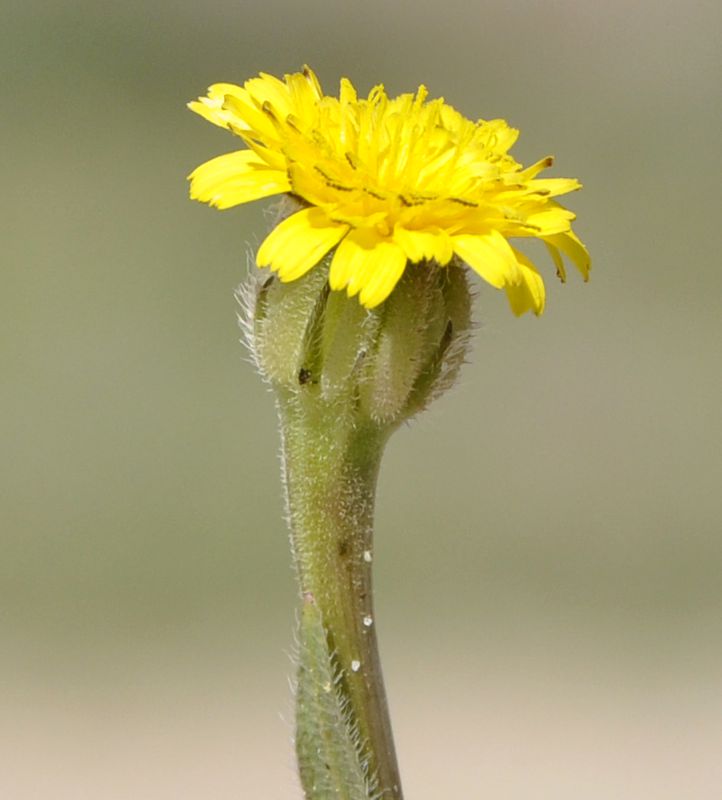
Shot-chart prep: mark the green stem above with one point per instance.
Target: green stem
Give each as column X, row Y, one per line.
column 331, row 461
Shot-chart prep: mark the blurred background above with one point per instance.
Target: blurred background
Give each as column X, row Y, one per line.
column 549, row 546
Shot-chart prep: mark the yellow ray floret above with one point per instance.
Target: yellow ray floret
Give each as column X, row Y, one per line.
column 386, row 182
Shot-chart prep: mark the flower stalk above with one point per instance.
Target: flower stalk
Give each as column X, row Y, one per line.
column 331, row 469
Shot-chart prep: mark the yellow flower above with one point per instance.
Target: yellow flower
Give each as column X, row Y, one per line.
column 385, row 182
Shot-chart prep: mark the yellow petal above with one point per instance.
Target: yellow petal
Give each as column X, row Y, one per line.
column 502, row 134
column 366, row 263
column 558, row 261
column 431, row 245
column 235, row 178
column 491, row 256
column 551, row 221
column 244, row 116
column 347, row 92
column 212, row 106
column 552, row 187
column 270, row 89
column 529, row 295
column 573, row 249
column 312, row 78
column 533, row 170
column 299, row 243
column 305, row 93
column 386, row 264
column 308, row 183
column 350, row 257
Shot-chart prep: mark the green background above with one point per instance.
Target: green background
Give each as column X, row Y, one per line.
column 549, row 547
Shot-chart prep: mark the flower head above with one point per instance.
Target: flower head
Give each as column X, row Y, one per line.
column 386, row 182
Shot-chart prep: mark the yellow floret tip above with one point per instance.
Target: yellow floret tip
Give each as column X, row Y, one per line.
column 385, row 182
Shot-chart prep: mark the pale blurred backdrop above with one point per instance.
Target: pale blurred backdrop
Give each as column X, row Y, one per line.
column 549, row 555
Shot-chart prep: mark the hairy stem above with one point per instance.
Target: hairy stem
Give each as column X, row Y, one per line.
column 331, row 462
